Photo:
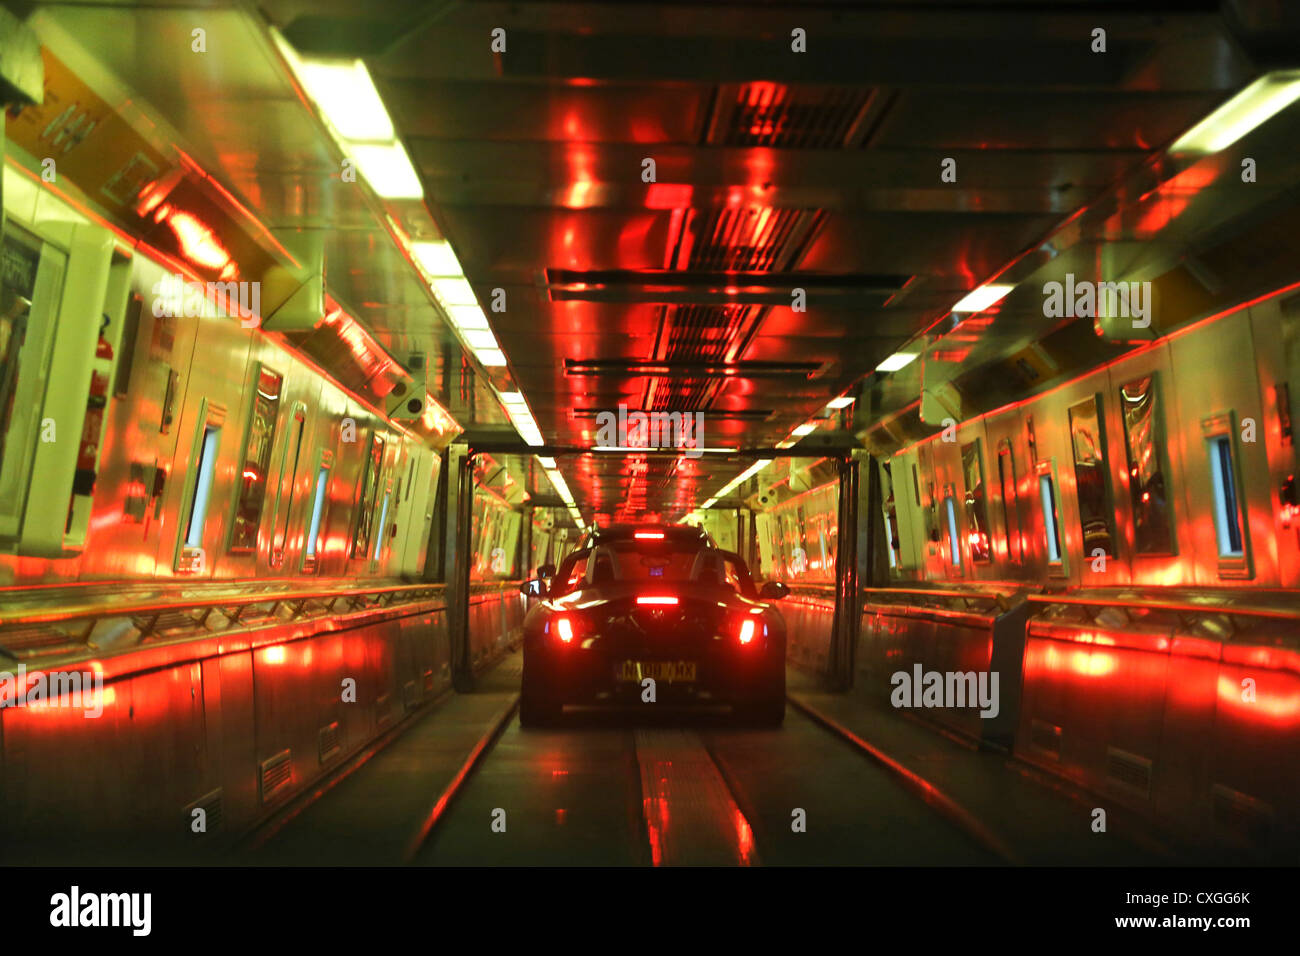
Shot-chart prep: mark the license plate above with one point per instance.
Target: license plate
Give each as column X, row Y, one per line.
column 669, row 671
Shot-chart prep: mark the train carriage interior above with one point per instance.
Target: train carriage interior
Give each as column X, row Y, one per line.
column 969, row 331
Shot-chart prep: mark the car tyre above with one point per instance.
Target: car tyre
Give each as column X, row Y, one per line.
column 762, row 713
column 536, row 711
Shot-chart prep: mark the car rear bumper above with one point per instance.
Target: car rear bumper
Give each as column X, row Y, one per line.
column 721, row 676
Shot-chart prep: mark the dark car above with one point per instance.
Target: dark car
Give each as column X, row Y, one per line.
column 657, row 602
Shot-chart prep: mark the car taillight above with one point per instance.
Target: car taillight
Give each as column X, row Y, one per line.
column 564, row 629
column 747, row 630
column 669, row 601
column 649, row 535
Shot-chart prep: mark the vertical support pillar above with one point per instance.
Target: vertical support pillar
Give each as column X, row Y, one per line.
column 874, row 566
column 460, row 502
column 524, row 542
column 852, row 565
column 752, row 555
column 435, row 565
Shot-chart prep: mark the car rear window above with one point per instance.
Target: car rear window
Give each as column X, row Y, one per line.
column 654, row 563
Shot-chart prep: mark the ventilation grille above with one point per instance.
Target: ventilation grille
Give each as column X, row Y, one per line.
column 1241, row 817
column 214, row 817
column 410, row 695
column 428, row 681
column 683, row 395
column 1129, row 770
column 277, row 775
column 705, row 333
column 789, row 117
column 383, row 709
column 750, row 238
column 1045, row 737
column 331, row 743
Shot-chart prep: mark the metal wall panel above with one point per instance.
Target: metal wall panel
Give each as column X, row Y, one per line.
column 198, row 733
column 1200, row 372
column 1214, row 370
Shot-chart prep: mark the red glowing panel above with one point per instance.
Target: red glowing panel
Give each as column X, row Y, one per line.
column 668, row 196
column 746, row 631
column 949, row 355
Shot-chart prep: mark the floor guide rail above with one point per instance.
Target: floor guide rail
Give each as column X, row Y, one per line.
column 611, row 788
column 923, row 788
column 439, row 809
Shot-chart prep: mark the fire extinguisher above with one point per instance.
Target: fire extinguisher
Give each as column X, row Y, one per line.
column 84, row 480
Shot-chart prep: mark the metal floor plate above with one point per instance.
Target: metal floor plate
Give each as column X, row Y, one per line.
column 691, row 817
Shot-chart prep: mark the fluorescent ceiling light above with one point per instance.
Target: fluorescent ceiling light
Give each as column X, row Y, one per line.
column 347, row 96
column 807, row 428
column 547, row 463
column 455, row 292
column 749, row 472
column 844, row 401
column 896, row 361
column 561, row 488
column 1252, row 107
column 493, row 358
column 467, row 317
column 436, row 258
column 977, row 300
column 387, row 169
column 480, row 338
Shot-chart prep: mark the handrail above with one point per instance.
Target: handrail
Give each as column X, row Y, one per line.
column 105, row 608
column 937, row 592
column 1161, row 604
column 809, row 588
